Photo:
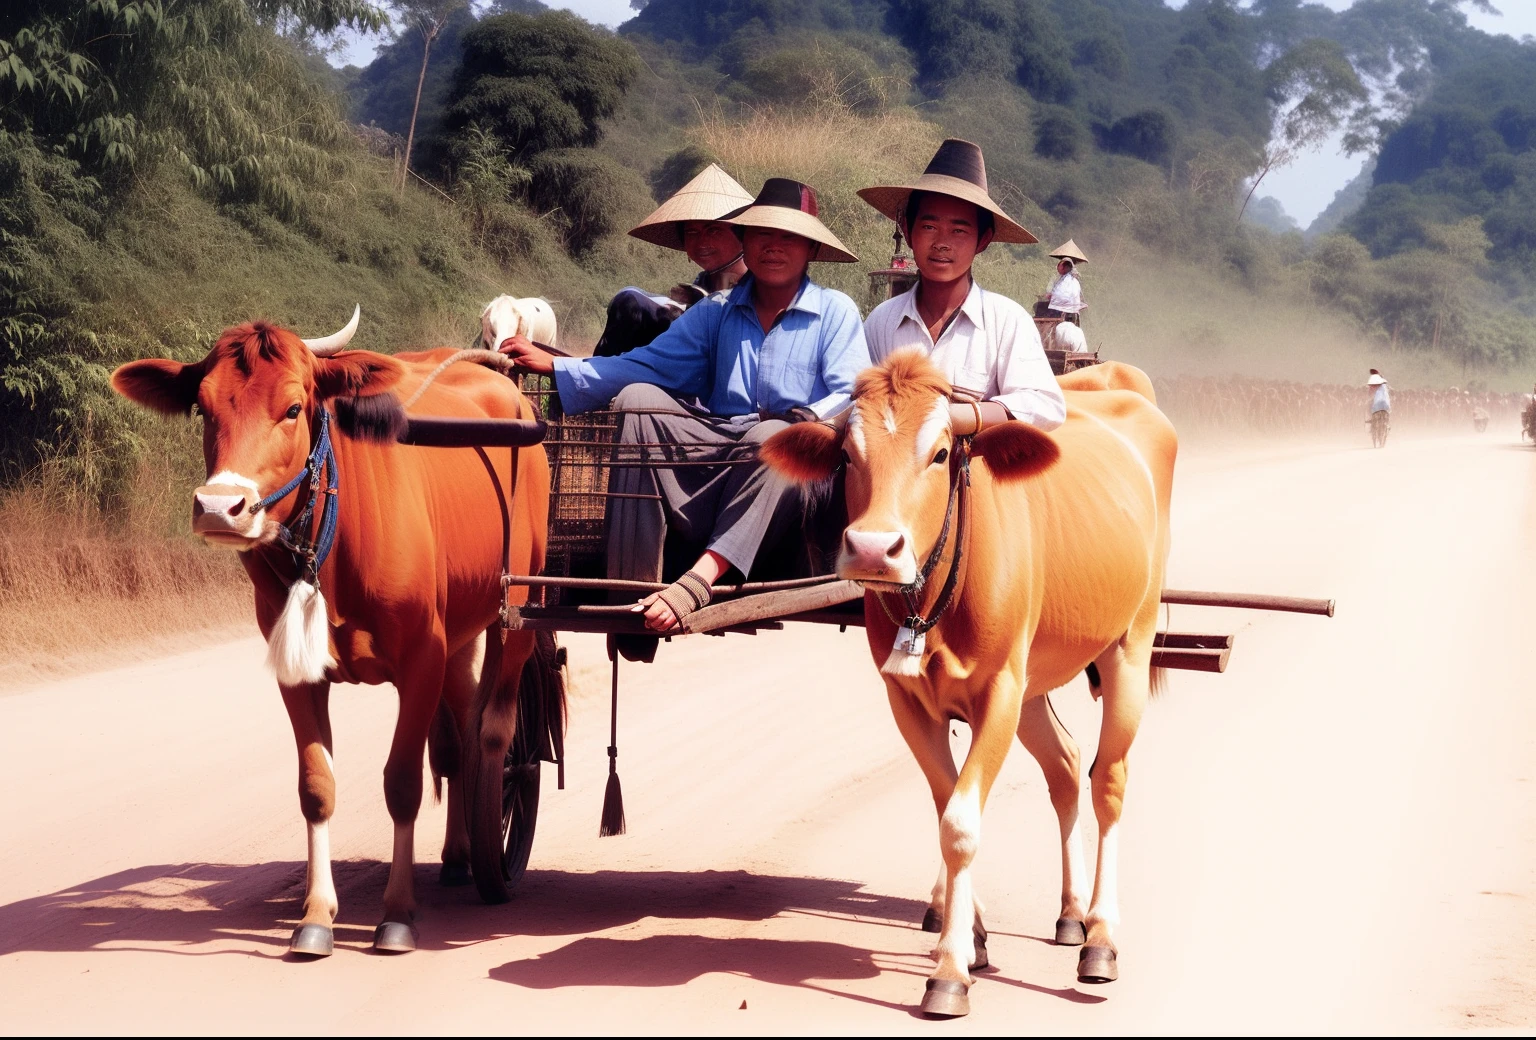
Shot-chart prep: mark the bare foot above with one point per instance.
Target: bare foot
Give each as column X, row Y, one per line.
column 658, row 616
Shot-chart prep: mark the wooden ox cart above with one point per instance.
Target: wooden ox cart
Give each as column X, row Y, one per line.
column 573, row 595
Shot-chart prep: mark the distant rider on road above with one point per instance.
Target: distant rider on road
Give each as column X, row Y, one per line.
column 1381, row 397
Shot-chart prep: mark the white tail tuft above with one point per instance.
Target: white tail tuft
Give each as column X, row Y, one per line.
column 299, row 649
column 903, row 663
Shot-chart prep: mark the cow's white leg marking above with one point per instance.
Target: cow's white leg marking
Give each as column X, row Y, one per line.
column 1074, row 868
column 319, row 886
column 959, row 841
column 1106, row 891
column 1125, row 697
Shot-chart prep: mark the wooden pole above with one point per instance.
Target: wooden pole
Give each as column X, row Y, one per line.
column 1249, row 601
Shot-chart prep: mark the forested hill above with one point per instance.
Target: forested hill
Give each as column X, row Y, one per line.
column 1075, row 99
column 168, row 167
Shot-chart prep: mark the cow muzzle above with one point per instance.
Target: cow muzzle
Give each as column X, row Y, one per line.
column 881, row 557
column 221, row 513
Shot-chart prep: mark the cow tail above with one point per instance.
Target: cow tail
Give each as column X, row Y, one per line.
column 443, row 749
column 1159, row 682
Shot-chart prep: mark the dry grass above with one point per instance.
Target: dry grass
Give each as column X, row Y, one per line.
column 82, row 587
column 836, row 151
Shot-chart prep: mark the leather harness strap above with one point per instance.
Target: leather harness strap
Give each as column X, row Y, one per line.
column 957, row 512
column 310, row 555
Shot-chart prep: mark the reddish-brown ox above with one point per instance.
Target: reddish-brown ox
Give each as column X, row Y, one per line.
column 409, row 591
column 1062, row 540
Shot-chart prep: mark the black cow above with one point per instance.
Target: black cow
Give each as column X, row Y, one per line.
column 634, row 319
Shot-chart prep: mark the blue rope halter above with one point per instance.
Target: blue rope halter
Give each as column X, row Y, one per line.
column 311, row 555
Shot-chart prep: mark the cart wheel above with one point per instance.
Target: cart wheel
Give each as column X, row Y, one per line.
column 486, row 796
column 519, row 816
column 503, row 814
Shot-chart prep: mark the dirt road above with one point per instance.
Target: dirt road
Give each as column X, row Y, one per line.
column 1338, row 834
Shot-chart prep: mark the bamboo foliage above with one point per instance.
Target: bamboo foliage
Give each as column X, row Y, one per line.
column 96, row 96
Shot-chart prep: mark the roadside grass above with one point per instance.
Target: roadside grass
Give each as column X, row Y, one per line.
column 84, row 588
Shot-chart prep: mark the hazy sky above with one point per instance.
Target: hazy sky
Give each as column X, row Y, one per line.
column 1305, row 188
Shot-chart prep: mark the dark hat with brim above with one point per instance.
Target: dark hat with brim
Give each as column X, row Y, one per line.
column 709, row 196
column 957, row 170
column 787, row 205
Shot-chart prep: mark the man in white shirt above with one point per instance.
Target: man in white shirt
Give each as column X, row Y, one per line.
column 986, row 345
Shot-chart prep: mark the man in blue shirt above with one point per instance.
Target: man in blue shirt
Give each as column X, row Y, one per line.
column 777, row 348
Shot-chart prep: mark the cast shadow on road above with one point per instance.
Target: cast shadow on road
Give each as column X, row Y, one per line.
column 168, row 906
column 675, row 960
column 249, row 909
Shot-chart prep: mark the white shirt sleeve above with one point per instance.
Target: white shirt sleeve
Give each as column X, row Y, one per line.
column 1026, row 386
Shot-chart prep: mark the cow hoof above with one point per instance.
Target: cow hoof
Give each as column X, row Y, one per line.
column 1070, row 932
column 312, row 940
column 454, row 875
column 932, row 922
column 946, row 998
column 1097, row 964
column 394, row 937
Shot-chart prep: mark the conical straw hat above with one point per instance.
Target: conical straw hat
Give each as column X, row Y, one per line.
column 791, row 206
column 1069, row 251
column 709, row 196
column 957, row 170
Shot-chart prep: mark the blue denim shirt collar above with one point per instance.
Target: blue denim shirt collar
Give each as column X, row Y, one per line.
column 808, row 299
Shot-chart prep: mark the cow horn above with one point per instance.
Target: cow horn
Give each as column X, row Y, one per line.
column 325, row 346
column 839, row 420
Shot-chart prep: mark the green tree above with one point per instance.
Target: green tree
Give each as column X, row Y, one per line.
column 96, row 98
column 539, row 81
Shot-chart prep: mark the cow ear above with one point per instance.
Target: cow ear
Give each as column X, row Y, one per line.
column 167, row 387
column 357, row 382
column 359, row 373
column 804, row 453
column 1015, row 450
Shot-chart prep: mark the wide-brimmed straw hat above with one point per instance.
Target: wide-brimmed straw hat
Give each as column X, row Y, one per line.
column 787, row 205
column 709, row 196
column 959, row 171
column 1069, row 251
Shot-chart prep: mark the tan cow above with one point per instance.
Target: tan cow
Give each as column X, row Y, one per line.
column 1062, row 540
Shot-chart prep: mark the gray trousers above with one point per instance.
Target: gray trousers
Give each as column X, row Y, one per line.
column 732, row 509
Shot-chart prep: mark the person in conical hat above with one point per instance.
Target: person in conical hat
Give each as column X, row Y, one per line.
column 690, row 221
column 719, row 351
column 984, row 343
column 1064, row 298
column 1381, row 395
